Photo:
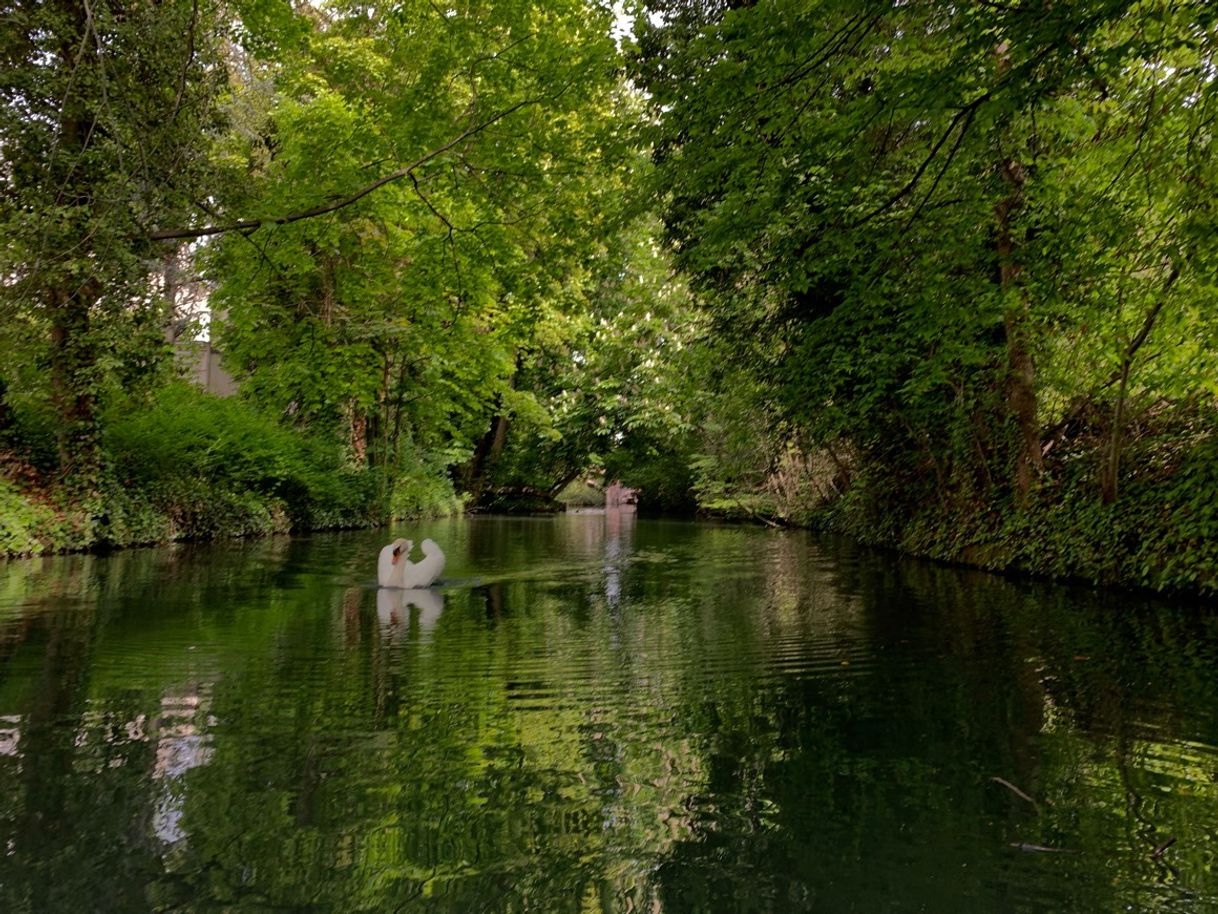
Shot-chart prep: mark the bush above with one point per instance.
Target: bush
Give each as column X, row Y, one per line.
column 30, row 527
column 1160, row 533
column 189, row 465
column 213, row 465
column 423, row 494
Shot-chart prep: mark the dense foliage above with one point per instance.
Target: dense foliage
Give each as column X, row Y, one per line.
column 943, row 272
column 403, row 320
column 413, row 229
column 961, row 257
column 106, row 117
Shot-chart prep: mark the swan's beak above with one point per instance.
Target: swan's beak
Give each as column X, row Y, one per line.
column 397, row 552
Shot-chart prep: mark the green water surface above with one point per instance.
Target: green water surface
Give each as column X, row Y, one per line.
column 597, row 714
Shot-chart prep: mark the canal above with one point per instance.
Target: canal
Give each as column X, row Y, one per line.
column 597, row 713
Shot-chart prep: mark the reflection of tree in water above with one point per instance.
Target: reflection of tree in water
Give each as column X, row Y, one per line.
column 757, row 723
column 182, row 743
column 619, row 537
column 493, row 599
column 87, row 825
column 1129, row 709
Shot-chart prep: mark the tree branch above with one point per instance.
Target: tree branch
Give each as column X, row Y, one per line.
column 1151, row 316
column 337, row 204
column 951, row 155
column 452, row 244
column 965, row 114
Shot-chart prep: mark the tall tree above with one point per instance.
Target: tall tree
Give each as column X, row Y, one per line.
column 485, row 137
column 106, row 120
column 863, row 195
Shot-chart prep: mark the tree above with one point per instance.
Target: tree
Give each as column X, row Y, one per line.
column 400, row 317
column 107, row 118
column 867, row 198
column 613, row 380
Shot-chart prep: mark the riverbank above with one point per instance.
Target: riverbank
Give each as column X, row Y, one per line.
column 186, row 466
column 1154, row 537
column 1161, row 533
column 41, row 520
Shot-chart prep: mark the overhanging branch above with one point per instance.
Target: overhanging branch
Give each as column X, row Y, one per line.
column 339, row 203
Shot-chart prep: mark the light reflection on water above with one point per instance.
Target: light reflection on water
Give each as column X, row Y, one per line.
column 596, row 713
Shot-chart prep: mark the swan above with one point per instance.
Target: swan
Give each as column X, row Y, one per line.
column 387, row 564
column 425, row 572
column 394, row 568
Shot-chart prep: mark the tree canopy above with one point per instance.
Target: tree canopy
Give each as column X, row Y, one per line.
column 943, row 230
column 894, row 262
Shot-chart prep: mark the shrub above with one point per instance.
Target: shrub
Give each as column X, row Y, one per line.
column 28, row 526
column 213, row 463
column 424, row 494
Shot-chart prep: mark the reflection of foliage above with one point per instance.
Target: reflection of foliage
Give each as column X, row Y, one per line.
column 707, row 718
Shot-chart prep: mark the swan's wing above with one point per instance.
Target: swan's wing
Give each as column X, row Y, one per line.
column 433, row 563
column 385, row 568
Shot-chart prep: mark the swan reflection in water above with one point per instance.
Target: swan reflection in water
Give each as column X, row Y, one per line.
column 393, row 607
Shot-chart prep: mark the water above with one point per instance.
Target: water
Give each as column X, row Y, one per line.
column 597, row 714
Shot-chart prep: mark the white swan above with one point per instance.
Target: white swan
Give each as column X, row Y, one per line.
column 394, row 568
column 387, row 570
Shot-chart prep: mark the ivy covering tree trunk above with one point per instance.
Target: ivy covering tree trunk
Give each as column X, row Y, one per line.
column 105, row 131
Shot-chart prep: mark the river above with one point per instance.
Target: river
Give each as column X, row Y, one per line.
column 597, row 713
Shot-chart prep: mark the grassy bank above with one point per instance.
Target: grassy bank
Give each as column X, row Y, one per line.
column 189, row 466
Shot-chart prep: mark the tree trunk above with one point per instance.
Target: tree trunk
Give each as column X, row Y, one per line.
column 486, row 455
column 73, row 364
column 395, row 439
column 376, row 432
column 73, row 360
column 358, row 439
column 1110, row 470
column 6, row 413
column 490, row 447
column 563, row 481
column 1021, row 370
